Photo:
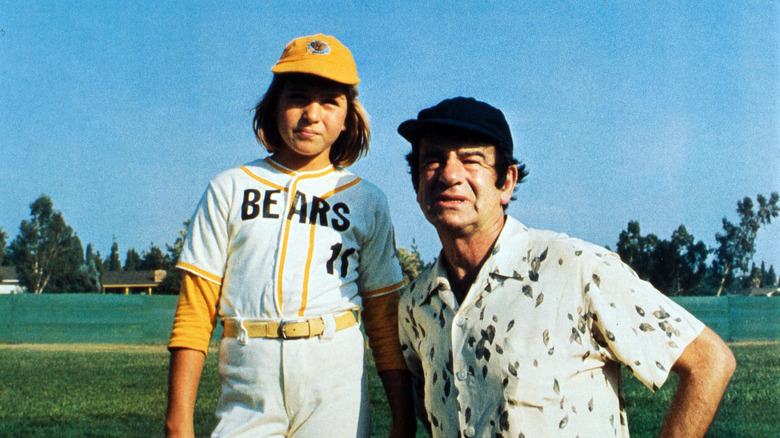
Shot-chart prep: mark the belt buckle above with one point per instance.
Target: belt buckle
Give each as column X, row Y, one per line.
column 283, row 330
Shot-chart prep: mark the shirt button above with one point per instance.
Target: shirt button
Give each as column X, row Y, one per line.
column 461, row 320
column 461, row 375
column 470, row 432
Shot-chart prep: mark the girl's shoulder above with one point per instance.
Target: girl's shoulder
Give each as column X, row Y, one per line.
column 360, row 184
column 230, row 180
column 259, row 168
column 240, row 169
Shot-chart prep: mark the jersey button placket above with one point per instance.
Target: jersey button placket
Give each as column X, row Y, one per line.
column 292, row 187
column 460, row 331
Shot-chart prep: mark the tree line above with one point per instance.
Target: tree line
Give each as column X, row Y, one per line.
column 683, row 266
column 49, row 257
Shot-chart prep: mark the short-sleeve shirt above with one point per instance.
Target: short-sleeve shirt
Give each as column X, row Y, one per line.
column 535, row 348
column 285, row 244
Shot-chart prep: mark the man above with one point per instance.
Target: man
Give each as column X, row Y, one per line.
column 518, row 332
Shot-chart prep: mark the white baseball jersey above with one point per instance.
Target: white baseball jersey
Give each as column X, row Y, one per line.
column 285, row 244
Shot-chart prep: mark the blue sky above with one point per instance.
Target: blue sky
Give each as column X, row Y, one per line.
column 664, row 112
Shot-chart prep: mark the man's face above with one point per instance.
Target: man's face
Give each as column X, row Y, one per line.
column 457, row 185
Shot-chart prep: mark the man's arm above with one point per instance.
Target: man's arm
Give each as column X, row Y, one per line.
column 705, row 368
column 184, row 375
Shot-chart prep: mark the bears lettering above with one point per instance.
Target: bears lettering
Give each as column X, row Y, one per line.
column 318, row 211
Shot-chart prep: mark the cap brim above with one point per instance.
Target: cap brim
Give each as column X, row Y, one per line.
column 413, row 130
column 321, row 69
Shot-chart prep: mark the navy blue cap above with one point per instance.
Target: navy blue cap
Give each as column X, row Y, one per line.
column 461, row 114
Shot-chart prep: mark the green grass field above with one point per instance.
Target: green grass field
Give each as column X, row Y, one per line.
column 120, row 391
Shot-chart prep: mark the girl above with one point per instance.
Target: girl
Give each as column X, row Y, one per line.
column 285, row 250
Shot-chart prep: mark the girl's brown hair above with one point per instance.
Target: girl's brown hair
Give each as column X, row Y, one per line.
column 350, row 145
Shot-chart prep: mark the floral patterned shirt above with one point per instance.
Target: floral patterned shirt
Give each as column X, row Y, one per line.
column 535, row 348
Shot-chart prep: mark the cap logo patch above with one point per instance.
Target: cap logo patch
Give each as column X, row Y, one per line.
column 318, row 47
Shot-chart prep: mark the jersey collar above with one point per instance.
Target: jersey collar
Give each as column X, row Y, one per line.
column 324, row 171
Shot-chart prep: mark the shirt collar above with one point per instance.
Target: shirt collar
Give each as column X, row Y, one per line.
column 502, row 261
column 438, row 279
column 511, row 243
column 284, row 169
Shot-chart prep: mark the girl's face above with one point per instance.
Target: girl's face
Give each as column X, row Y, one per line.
column 310, row 117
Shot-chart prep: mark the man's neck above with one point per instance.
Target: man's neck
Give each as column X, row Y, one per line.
column 465, row 255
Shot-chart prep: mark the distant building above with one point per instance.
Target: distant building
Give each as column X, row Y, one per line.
column 129, row 282
column 766, row 291
column 9, row 281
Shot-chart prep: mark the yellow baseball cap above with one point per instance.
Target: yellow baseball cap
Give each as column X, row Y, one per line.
column 319, row 55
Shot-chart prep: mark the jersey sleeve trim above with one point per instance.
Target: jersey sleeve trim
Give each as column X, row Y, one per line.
column 382, row 291
column 199, row 272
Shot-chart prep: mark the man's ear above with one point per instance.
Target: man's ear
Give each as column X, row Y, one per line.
column 508, row 189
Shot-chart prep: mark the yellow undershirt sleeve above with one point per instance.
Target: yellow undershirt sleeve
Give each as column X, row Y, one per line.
column 196, row 313
column 380, row 320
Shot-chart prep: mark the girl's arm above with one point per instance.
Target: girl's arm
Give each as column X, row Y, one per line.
column 196, row 316
column 398, row 387
column 380, row 319
column 185, row 369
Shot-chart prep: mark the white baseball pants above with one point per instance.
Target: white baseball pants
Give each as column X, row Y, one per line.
column 293, row 388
